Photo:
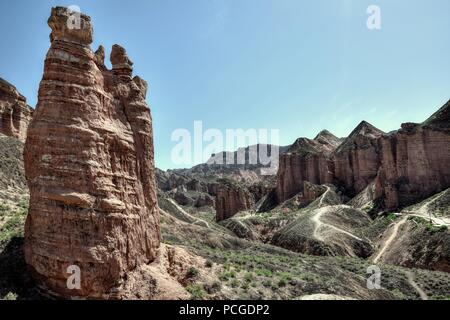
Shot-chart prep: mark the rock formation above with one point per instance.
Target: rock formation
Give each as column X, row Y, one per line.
column 306, row 160
column 400, row 168
column 310, row 192
column 231, row 199
column 249, row 158
column 90, row 169
column 169, row 180
column 415, row 161
column 15, row 114
column 356, row 160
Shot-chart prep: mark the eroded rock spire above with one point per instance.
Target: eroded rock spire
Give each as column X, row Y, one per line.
column 90, row 169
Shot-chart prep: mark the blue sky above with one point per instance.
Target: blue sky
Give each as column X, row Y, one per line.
column 298, row 66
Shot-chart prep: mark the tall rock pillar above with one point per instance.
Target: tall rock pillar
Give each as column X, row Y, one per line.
column 90, row 168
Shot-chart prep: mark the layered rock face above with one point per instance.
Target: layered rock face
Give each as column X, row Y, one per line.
column 311, row 192
column 351, row 164
column 231, row 199
column 401, row 167
column 415, row 161
column 246, row 168
column 90, row 168
column 306, row 160
column 357, row 160
column 15, row 114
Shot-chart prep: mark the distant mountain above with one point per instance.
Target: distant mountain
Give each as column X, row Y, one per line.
column 244, row 158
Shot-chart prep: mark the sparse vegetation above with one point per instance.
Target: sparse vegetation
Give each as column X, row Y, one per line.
column 11, row 222
column 192, row 273
column 252, row 269
column 196, row 290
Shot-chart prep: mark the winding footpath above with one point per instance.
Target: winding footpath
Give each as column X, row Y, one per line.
column 412, row 282
column 410, row 274
column 187, row 214
column 323, row 196
column 319, row 224
column 423, row 212
column 390, row 239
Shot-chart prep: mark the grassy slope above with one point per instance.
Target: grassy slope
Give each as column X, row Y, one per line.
column 253, row 270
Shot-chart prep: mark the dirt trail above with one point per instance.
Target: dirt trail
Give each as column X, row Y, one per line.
column 438, row 221
column 319, row 224
column 390, row 239
column 423, row 212
column 324, row 195
column 187, row 214
column 413, row 283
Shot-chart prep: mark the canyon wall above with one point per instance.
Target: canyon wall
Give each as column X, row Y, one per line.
column 231, row 199
column 406, row 165
column 295, row 169
column 90, row 169
column 357, row 159
column 306, row 160
column 15, row 114
column 415, row 161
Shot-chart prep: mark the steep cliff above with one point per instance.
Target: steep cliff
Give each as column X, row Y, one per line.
column 415, row 160
column 231, row 199
column 401, row 167
column 306, row 160
column 356, row 160
column 89, row 165
column 15, row 114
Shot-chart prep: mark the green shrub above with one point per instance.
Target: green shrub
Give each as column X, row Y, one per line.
column 282, row 283
column 285, row 276
column 213, row 287
column 248, row 277
column 196, row 291
column 264, row 272
column 23, row 203
column 391, row 216
column 4, row 208
column 192, row 272
column 436, row 229
column 224, row 276
column 13, row 227
column 244, row 286
column 267, row 283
